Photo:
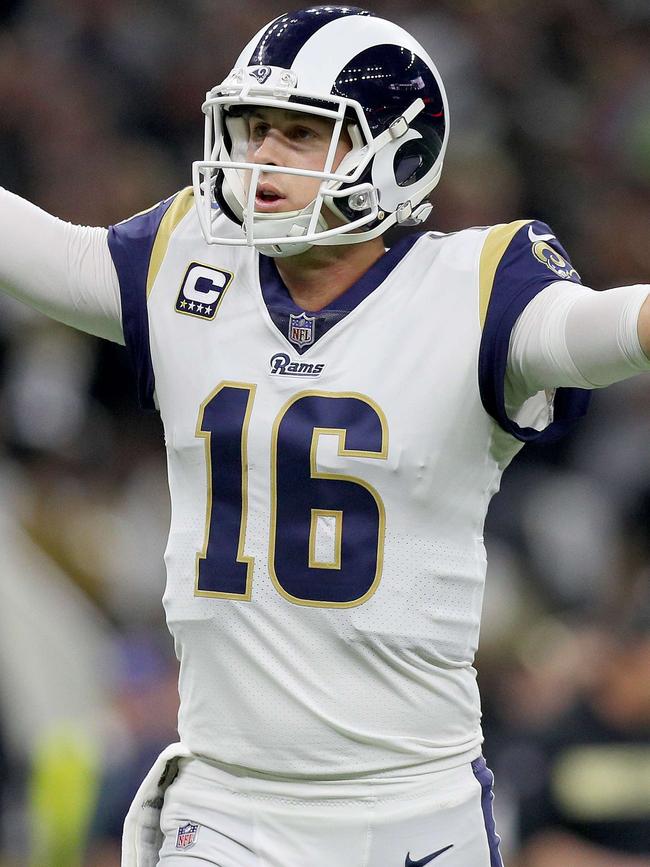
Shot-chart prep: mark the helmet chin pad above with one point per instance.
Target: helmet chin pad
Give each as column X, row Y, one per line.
column 290, row 224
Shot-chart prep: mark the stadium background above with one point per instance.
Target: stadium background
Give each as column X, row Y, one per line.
column 100, row 118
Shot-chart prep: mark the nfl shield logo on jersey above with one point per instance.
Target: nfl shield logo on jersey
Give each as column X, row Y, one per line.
column 301, row 329
column 186, row 835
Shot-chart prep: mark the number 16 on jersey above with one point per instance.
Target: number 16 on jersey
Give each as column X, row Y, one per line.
column 303, row 499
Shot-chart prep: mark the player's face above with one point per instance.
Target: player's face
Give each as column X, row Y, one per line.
column 286, row 138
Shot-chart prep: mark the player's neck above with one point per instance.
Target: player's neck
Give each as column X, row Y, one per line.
column 316, row 278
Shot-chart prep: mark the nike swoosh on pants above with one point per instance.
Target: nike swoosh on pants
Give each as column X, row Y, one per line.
column 422, row 861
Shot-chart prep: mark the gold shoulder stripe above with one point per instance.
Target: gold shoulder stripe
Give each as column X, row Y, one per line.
column 494, row 247
column 173, row 215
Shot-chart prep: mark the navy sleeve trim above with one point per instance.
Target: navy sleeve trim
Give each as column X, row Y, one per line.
column 517, row 262
column 131, row 244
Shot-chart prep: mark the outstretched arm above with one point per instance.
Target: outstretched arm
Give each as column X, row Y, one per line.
column 569, row 335
column 65, row 271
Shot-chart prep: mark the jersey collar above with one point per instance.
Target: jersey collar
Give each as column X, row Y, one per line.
column 283, row 310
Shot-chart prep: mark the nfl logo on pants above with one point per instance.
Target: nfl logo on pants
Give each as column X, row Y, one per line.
column 186, row 835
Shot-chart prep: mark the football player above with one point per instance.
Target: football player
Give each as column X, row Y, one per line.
column 337, row 417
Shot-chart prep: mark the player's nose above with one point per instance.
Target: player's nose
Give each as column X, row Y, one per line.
column 268, row 151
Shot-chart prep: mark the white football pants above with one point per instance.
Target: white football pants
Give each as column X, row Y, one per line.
column 211, row 818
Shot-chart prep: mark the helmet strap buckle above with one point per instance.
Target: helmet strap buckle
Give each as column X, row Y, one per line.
column 398, row 127
column 408, row 216
column 403, row 213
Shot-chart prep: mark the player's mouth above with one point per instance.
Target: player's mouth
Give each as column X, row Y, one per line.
column 268, row 198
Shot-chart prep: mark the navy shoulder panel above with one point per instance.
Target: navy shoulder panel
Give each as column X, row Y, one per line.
column 131, row 244
column 518, row 261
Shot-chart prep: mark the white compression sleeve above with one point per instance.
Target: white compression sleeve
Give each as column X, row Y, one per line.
column 569, row 335
column 64, row 271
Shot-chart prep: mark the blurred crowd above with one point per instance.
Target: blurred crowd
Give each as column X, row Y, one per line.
column 100, row 118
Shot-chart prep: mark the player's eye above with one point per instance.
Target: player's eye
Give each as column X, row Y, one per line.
column 258, row 129
column 302, row 133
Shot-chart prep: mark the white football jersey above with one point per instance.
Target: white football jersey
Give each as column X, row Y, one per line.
column 330, row 474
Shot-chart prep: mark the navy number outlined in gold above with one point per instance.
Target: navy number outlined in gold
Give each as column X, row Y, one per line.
column 222, row 568
column 301, row 497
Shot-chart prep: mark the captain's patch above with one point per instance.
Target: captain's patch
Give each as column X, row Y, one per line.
column 202, row 291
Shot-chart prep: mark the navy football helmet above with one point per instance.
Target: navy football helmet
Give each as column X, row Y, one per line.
column 372, row 80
